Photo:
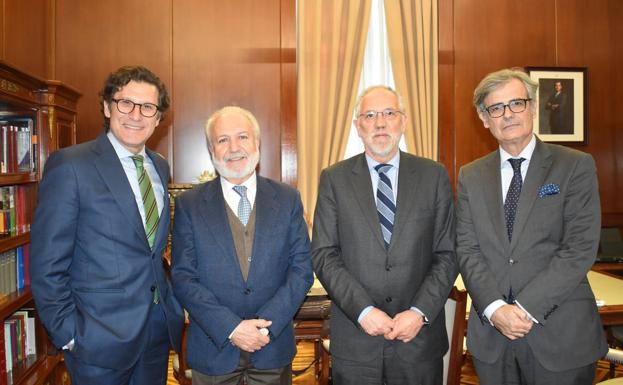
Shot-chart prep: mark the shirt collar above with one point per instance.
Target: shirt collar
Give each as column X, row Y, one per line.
column 121, row 151
column 526, row 153
column 250, row 183
column 395, row 161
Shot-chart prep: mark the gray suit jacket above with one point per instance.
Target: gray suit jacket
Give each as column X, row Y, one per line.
column 554, row 244
column 351, row 261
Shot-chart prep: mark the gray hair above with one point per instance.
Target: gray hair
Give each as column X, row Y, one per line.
column 231, row 110
column 497, row 79
column 365, row 92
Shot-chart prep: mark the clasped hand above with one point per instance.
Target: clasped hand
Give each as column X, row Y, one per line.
column 403, row 327
column 247, row 335
column 512, row 321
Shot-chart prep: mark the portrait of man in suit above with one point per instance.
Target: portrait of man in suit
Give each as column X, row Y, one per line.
column 528, row 225
column 241, row 262
column 559, row 105
column 383, row 248
column 98, row 235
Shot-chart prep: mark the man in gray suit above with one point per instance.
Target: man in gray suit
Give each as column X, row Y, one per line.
column 528, row 220
column 383, row 248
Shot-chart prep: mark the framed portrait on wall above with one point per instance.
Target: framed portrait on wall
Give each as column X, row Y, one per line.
column 561, row 114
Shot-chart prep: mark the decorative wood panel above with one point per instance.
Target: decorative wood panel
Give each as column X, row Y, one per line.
column 24, row 35
column 574, row 33
column 94, row 38
column 225, row 52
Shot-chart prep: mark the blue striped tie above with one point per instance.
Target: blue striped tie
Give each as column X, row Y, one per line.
column 385, row 204
column 244, row 206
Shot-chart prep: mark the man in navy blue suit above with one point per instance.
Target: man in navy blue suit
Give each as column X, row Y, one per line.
column 241, row 262
column 97, row 239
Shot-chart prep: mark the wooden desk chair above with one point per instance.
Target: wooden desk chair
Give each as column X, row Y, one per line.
column 309, row 322
column 615, row 356
column 181, row 371
column 455, row 308
column 453, row 360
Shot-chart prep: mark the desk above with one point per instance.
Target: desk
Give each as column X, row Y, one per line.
column 317, row 290
column 606, row 287
column 309, row 321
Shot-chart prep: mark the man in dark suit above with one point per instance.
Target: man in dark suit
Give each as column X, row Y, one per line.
column 383, row 248
column 559, row 119
column 528, row 224
column 96, row 270
column 241, row 262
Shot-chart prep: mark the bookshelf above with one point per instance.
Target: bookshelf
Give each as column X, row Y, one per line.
column 37, row 117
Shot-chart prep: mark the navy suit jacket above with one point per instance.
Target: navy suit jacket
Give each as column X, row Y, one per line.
column 208, row 281
column 92, row 268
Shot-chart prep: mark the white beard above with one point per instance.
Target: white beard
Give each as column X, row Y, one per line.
column 225, row 172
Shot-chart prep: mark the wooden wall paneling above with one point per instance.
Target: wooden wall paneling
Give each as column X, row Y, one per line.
column 520, row 34
column 288, row 93
column 447, row 133
column 225, row 53
column 25, row 34
column 94, row 38
column 2, row 32
column 588, row 32
column 572, row 33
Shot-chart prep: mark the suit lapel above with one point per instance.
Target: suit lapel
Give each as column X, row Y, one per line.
column 362, row 189
column 540, row 164
column 266, row 207
column 109, row 166
column 492, row 192
column 215, row 217
column 409, row 181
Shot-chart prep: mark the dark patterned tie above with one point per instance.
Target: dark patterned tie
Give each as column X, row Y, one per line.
column 244, row 206
column 512, row 196
column 149, row 200
column 385, row 204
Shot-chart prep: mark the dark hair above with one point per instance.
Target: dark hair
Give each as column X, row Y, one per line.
column 118, row 79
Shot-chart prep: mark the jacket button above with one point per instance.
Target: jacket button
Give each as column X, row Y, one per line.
column 388, row 299
column 247, row 291
column 388, row 267
column 152, row 288
column 511, row 261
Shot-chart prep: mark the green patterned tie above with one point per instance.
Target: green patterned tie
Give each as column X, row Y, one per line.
column 149, row 200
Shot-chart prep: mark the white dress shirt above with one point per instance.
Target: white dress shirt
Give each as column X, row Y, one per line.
column 233, row 198
column 506, row 171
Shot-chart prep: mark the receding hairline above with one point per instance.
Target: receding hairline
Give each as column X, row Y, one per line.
column 232, row 110
column 374, row 88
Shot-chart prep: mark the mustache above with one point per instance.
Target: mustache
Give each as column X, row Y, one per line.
column 235, row 155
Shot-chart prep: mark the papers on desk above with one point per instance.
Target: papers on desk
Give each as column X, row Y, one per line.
column 600, row 302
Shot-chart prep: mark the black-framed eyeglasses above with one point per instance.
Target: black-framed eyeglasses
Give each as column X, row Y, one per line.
column 126, row 106
column 388, row 114
column 515, row 105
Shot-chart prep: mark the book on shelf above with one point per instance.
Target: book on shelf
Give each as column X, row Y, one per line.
column 19, row 340
column 11, row 255
column 26, row 255
column 17, row 141
column 14, row 266
column 8, row 349
column 3, row 365
column 19, row 268
column 15, row 209
column 31, row 334
column 4, row 275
